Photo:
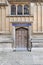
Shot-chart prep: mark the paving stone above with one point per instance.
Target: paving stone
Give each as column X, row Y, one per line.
column 21, row 58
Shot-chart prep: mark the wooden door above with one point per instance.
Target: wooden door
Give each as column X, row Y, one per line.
column 21, row 38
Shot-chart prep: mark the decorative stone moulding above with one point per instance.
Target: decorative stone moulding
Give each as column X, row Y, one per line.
column 36, row 0
column 24, row 19
column 25, row 0
column 3, row 4
column 18, row 0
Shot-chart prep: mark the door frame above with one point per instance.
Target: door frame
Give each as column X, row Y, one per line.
column 30, row 36
column 27, row 38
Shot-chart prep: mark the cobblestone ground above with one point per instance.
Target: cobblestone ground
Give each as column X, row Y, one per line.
column 21, row 58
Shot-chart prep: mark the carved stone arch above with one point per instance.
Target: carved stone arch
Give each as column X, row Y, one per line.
column 22, row 28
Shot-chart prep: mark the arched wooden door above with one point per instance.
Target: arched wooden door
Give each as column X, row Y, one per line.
column 21, row 39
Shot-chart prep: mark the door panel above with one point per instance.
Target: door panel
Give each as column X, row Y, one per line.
column 21, row 38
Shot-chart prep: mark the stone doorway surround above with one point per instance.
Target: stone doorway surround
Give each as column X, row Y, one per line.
column 21, row 38
column 30, row 33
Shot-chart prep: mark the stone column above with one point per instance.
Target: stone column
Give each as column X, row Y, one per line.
column 0, row 19
column 30, row 36
column 35, row 18
column 9, row 9
column 7, row 25
column 7, row 20
column 3, row 19
column 42, row 17
column 39, row 17
column 23, row 9
column 32, row 8
column 14, row 37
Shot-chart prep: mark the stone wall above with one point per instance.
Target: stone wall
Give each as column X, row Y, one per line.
column 36, row 11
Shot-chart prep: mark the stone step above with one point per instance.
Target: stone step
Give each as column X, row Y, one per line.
column 37, row 45
column 37, row 49
column 37, row 40
column 6, row 39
